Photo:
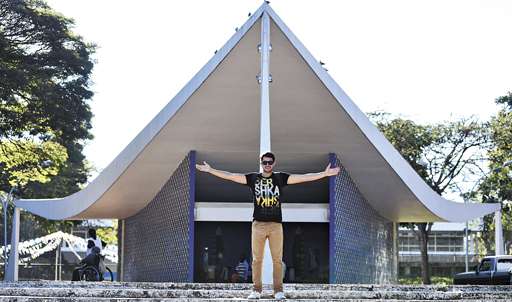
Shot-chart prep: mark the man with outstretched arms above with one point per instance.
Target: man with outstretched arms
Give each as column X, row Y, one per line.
column 267, row 218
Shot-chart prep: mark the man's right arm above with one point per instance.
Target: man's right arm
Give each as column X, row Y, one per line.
column 236, row 177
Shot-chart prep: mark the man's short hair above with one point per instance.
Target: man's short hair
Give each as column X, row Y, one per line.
column 268, row 154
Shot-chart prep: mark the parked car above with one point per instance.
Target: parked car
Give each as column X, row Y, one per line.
column 491, row 270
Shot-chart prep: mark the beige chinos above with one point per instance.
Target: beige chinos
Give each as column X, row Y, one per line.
column 260, row 232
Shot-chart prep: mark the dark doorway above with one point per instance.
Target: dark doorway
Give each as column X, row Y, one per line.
column 220, row 245
column 306, row 252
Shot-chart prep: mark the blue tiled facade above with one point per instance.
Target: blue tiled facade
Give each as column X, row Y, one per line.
column 362, row 244
column 157, row 242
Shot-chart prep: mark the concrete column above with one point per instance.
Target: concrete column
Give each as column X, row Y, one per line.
column 498, row 233
column 264, row 79
column 12, row 266
column 396, row 252
column 266, row 274
column 120, row 272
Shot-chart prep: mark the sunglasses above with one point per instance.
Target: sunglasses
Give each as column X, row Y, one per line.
column 267, row 163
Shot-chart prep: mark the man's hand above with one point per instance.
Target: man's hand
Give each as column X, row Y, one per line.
column 236, row 177
column 205, row 167
column 298, row 178
column 331, row 171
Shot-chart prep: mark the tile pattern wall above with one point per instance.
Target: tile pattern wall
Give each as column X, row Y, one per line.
column 363, row 240
column 156, row 240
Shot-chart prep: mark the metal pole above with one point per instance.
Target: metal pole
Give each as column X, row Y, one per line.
column 467, row 248
column 60, row 260
column 56, row 263
column 498, row 235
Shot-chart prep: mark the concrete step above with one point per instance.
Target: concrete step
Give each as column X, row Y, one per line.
column 52, row 299
column 247, row 286
column 141, row 291
column 233, row 294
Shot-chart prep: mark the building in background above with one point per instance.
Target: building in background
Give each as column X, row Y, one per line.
column 446, row 250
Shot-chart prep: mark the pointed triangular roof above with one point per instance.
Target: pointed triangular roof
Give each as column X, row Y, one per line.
column 217, row 112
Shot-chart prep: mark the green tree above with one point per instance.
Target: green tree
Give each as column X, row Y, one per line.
column 21, row 161
column 45, row 117
column 442, row 154
column 497, row 187
column 109, row 234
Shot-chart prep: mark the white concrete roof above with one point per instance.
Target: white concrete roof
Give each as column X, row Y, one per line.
column 217, row 114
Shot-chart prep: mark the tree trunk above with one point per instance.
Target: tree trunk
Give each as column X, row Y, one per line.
column 423, row 234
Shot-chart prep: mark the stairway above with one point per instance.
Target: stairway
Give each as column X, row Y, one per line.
column 25, row 291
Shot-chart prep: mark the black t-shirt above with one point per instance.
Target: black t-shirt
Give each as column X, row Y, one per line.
column 266, row 192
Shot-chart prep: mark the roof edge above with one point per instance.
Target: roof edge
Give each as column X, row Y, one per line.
column 444, row 209
column 71, row 206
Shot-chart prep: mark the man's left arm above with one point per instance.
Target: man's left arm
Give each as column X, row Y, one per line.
column 298, row 178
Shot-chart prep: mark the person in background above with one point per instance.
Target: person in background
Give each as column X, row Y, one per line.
column 242, row 268
column 93, row 241
column 92, row 259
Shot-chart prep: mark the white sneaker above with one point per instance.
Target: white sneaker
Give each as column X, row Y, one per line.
column 279, row 296
column 254, row 295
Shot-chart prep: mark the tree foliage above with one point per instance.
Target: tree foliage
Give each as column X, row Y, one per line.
column 45, row 117
column 20, row 163
column 108, row 234
column 442, row 154
column 45, row 71
column 505, row 100
column 409, row 138
column 497, row 187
